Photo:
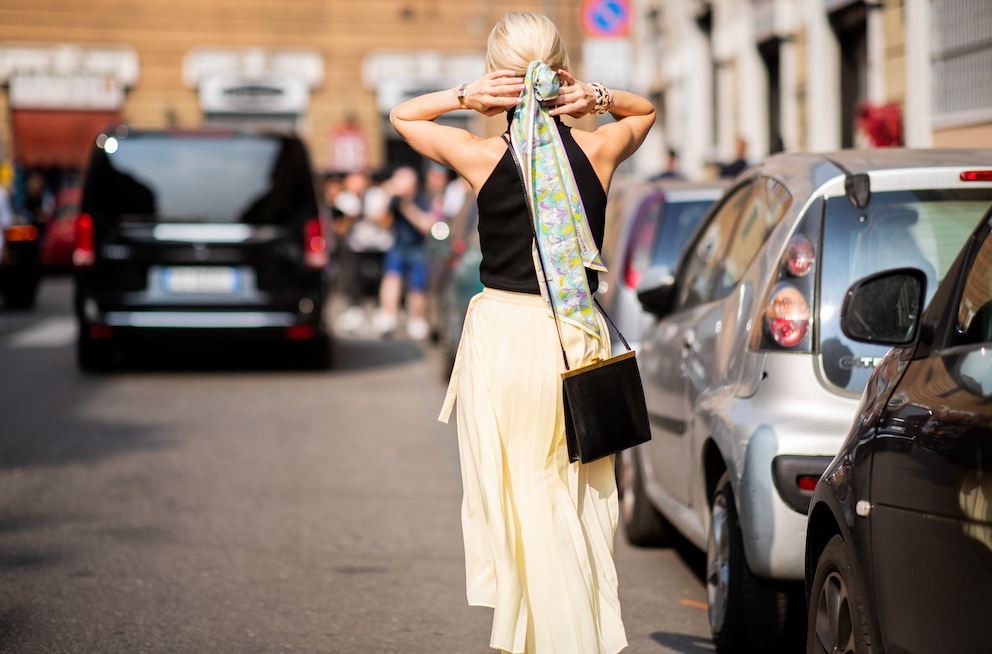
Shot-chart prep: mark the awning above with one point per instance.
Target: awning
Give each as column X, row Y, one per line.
column 57, row 138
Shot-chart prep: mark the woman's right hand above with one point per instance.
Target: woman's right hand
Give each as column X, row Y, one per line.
column 494, row 92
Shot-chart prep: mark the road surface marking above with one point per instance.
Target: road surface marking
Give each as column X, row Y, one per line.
column 57, row 331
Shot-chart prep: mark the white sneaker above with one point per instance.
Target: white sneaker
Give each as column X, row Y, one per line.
column 351, row 320
column 418, row 329
column 383, row 323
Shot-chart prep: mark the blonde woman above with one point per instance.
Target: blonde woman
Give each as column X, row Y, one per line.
column 538, row 530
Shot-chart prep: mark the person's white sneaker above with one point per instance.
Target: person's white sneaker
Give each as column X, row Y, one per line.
column 418, row 329
column 383, row 323
column 351, row 320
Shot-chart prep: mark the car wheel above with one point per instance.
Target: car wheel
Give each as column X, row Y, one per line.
column 642, row 524
column 22, row 297
column 837, row 621
column 743, row 609
column 93, row 356
column 314, row 355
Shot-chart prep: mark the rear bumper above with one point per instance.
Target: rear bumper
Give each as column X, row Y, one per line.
column 200, row 319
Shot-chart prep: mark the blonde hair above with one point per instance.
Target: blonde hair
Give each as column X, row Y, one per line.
column 521, row 37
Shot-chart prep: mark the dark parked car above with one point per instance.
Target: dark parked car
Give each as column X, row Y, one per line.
column 200, row 235
column 749, row 381
column 899, row 537
column 648, row 225
column 20, row 266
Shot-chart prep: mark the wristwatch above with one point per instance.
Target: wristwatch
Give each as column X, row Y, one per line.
column 462, row 90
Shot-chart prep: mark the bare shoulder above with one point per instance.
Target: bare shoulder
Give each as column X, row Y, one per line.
column 476, row 159
column 600, row 151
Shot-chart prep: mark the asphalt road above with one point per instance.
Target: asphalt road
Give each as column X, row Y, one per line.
column 225, row 504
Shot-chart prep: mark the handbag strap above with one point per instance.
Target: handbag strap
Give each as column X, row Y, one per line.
column 540, row 258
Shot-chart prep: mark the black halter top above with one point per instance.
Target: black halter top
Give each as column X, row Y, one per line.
column 505, row 235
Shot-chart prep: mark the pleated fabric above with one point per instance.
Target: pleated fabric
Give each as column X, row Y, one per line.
column 538, row 530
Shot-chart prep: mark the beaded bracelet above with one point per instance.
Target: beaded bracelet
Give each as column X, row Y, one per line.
column 604, row 99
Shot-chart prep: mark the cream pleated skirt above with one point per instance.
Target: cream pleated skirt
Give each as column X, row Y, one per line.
column 538, row 530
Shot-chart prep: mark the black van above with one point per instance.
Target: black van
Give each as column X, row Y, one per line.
column 199, row 235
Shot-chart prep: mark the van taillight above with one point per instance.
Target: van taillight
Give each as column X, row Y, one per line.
column 976, row 176
column 314, row 245
column 787, row 316
column 84, row 254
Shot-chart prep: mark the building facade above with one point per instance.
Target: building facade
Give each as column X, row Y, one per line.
column 329, row 69
column 814, row 75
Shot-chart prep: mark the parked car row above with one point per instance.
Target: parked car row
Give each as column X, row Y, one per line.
column 753, row 368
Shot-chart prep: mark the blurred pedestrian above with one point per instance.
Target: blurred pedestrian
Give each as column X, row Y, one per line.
column 367, row 235
column 6, row 215
column 671, row 170
column 450, row 200
column 39, row 202
column 538, row 530
column 735, row 167
column 405, row 270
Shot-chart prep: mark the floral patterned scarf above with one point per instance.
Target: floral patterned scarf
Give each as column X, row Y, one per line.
column 563, row 236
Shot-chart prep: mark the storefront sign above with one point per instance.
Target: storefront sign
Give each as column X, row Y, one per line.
column 51, row 91
column 247, row 94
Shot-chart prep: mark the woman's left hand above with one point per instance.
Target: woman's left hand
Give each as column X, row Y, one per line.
column 575, row 98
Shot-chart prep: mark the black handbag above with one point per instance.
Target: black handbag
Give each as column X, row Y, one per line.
column 605, row 411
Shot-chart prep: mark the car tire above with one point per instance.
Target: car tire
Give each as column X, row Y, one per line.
column 837, row 619
column 743, row 609
column 93, row 356
column 315, row 355
column 643, row 525
column 21, row 297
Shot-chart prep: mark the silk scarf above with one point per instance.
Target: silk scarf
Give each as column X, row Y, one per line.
column 563, row 235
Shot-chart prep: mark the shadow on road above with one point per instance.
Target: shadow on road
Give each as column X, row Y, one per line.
column 346, row 354
column 683, row 643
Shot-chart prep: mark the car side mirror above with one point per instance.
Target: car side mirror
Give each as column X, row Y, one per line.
column 656, row 290
column 885, row 308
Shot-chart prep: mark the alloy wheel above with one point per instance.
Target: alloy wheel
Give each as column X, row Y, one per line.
column 834, row 621
column 718, row 563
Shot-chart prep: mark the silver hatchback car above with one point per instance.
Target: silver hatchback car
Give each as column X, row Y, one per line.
column 750, row 383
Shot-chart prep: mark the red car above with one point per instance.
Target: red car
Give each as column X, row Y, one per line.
column 60, row 236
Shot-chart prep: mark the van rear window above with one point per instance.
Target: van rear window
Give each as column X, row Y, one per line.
column 156, row 178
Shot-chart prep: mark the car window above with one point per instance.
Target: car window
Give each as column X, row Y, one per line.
column 256, row 179
column 923, row 229
column 974, row 314
column 770, row 202
column 698, row 278
column 678, row 223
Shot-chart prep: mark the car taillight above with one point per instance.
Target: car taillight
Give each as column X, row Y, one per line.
column 84, row 254
column 807, row 483
column 314, row 245
column 976, row 176
column 787, row 316
column 639, row 250
column 300, row 332
column 800, row 258
column 21, row 233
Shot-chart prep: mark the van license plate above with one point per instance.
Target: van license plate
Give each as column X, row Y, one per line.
column 200, row 279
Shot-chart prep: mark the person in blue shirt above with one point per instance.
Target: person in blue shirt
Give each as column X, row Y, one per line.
column 405, row 268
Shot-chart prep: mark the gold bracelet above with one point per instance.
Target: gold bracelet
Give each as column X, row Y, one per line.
column 604, row 99
column 462, row 90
